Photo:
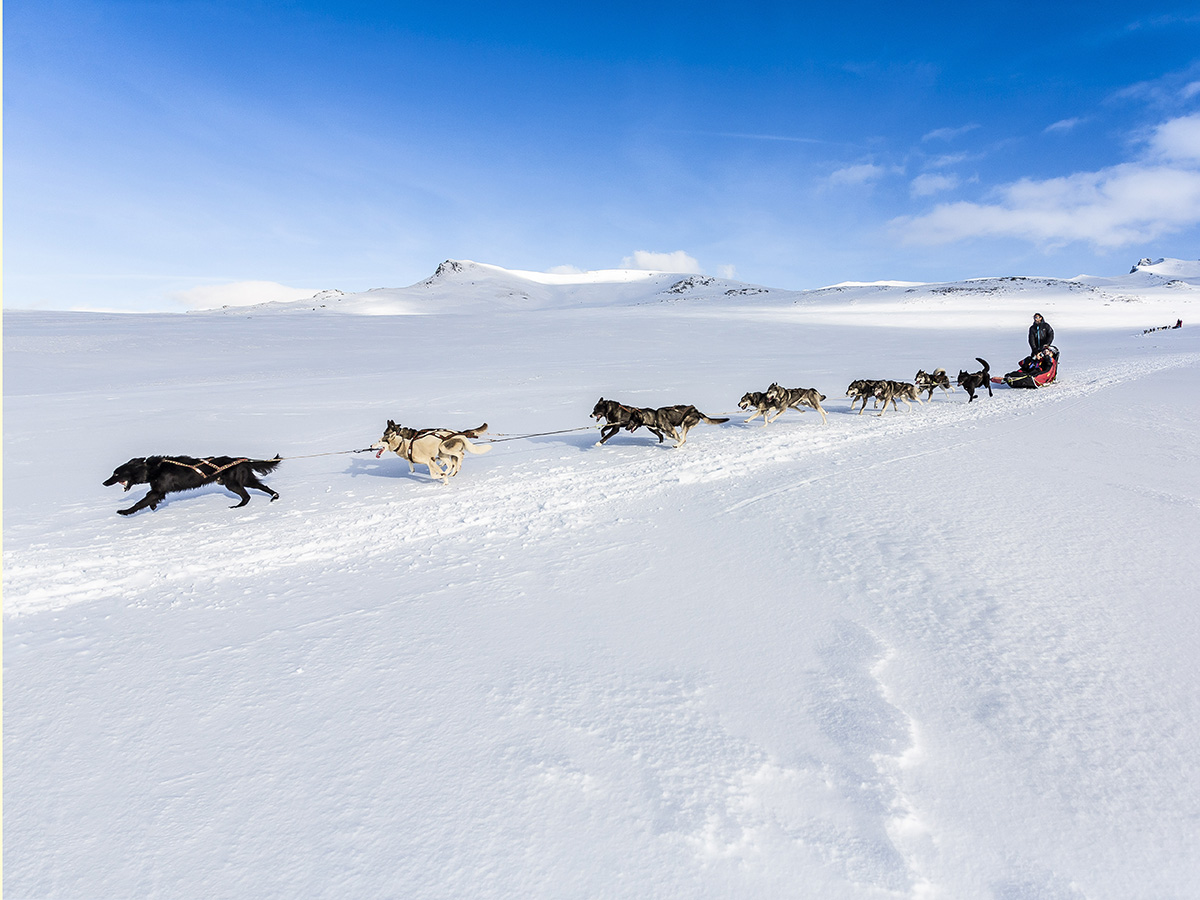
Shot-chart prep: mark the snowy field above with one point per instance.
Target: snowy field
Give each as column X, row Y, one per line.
column 947, row 652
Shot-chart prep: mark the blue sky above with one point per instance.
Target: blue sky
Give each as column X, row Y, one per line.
column 158, row 152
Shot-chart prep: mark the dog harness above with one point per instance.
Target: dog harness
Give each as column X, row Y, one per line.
column 207, row 476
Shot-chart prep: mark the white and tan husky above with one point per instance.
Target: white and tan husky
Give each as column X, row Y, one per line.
column 441, row 450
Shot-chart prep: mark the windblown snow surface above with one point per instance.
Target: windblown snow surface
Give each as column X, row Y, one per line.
column 946, row 652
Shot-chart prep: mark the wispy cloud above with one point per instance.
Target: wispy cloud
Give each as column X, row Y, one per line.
column 949, row 134
column 676, row 261
column 766, row 137
column 757, row 136
column 1166, row 91
column 932, row 183
column 950, row 159
column 1112, row 207
column 1166, row 21
column 1063, row 125
column 863, row 173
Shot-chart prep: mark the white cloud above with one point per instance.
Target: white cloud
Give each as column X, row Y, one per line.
column 929, row 183
column 238, row 293
column 1063, row 125
column 1191, row 90
column 564, row 270
column 860, row 174
column 949, row 159
column 678, row 261
column 1113, row 207
column 948, row 134
column 729, row 272
column 1178, row 140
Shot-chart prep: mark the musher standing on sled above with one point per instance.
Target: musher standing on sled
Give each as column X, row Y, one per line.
column 1041, row 335
column 1041, row 365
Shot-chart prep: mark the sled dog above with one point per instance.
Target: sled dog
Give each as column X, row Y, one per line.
column 927, row 381
column 617, row 416
column 792, row 398
column 763, row 404
column 168, row 474
column 440, row 450
column 891, row 391
column 682, row 416
column 666, row 421
column 973, row 381
column 863, row 389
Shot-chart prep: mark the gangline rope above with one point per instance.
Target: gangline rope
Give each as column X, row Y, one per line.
column 503, row 436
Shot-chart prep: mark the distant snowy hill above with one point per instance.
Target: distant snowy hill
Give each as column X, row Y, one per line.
column 463, row 286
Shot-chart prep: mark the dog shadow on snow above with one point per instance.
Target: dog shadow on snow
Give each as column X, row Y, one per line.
column 395, row 468
column 186, row 498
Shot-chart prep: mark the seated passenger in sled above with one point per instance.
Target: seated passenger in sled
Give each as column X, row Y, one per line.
column 1034, row 370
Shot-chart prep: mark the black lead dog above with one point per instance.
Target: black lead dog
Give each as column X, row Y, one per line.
column 973, row 381
column 168, row 474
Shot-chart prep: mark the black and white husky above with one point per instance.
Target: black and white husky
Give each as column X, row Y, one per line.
column 927, row 381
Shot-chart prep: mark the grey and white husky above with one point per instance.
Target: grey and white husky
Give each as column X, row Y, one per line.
column 763, row 404
column 793, row 398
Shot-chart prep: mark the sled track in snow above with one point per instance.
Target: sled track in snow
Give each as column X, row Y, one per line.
column 329, row 521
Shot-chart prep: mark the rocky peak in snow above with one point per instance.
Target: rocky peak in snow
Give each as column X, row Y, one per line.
column 1144, row 262
column 691, row 283
column 447, row 267
column 450, row 268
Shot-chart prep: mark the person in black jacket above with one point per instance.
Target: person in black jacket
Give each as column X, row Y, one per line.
column 1041, row 335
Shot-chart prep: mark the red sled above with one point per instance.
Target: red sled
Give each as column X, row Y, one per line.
column 1027, row 377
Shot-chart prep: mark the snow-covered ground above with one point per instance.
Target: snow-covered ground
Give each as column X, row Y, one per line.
column 941, row 653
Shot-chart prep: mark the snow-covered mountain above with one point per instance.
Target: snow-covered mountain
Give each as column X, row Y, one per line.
column 462, row 286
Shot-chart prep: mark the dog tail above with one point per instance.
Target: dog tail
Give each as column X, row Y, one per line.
column 476, row 432
column 263, row 466
column 984, row 362
column 712, row 421
column 459, row 440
